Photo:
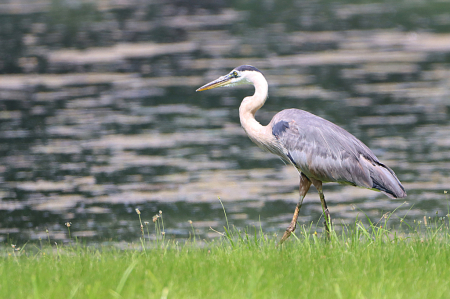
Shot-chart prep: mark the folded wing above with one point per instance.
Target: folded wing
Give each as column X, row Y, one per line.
column 326, row 152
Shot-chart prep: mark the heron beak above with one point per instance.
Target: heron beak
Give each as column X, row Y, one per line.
column 222, row 81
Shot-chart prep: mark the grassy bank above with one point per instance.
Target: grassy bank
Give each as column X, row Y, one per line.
column 359, row 262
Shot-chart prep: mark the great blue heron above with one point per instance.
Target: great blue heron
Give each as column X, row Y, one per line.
column 320, row 150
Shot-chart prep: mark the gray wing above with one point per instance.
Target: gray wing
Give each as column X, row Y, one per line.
column 326, row 152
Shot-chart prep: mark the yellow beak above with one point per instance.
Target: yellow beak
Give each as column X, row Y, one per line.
column 222, row 81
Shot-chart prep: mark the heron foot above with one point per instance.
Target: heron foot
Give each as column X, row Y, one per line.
column 288, row 232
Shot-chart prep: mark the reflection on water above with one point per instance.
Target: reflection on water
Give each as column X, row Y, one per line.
column 99, row 114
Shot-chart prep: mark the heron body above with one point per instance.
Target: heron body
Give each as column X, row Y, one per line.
column 320, row 150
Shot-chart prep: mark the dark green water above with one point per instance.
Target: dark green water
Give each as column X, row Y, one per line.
column 99, row 114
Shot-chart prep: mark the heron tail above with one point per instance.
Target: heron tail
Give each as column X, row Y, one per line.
column 385, row 180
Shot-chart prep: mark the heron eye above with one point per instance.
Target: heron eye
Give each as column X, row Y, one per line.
column 235, row 74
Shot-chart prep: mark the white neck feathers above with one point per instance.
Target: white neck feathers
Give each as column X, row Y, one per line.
column 249, row 106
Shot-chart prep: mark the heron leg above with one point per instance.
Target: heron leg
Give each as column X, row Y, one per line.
column 305, row 183
column 327, row 215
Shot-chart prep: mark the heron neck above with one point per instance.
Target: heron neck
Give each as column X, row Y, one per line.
column 250, row 105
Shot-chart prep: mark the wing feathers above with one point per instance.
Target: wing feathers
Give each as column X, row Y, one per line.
column 328, row 153
column 384, row 179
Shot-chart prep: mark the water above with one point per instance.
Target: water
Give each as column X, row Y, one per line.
column 99, row 114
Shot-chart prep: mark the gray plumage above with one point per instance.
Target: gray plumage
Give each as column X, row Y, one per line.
column 320, row 150
column 323, row 151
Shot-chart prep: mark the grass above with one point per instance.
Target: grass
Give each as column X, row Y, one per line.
column 361, row 261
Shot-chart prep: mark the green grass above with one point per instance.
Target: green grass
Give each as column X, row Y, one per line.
column 359, row 262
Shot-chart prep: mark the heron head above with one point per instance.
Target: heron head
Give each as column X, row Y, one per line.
column 240, row 75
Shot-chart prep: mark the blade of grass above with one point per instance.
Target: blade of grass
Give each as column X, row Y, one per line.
column 125, row 276
column 224, row 212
